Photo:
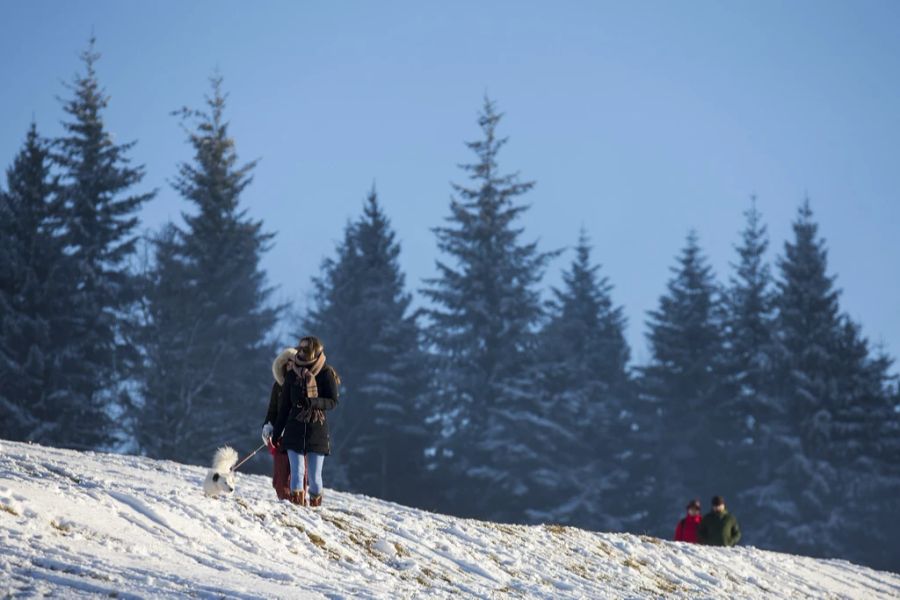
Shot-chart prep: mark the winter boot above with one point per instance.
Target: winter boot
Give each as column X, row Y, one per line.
column 315, row 500
column 298, row 498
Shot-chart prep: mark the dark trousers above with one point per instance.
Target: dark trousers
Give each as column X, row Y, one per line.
column 281, row 475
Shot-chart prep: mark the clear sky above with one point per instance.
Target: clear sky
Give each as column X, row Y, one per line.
column 638, row 120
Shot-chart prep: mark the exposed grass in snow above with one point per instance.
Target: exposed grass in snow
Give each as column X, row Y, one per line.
column 84, row 524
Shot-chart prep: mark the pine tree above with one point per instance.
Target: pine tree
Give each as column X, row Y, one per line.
column 684, row 378
column 887, row 437
column 33, row 293
column 808, row 332
column 100, row 217
column 887, row 472
column 209, row 358
column 362, row 313
column 685, row 334
column 589, row 353
column 862, row 396
column 485, row 308
column 749, row 404
column 164, row 421
column 750, row 305
column 866, row 474
column 804, row 484
column 587, row 330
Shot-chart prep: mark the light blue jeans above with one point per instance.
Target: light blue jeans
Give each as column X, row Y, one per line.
column 298, row 468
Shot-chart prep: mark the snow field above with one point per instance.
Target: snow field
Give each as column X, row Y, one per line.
column 81, row 524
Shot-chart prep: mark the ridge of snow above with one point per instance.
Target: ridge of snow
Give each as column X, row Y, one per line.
column 79, row 524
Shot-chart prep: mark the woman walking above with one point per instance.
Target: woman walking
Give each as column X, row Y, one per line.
column 310, row 390
column 281, row 468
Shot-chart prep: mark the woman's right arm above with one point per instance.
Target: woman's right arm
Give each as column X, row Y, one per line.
column 284, row 408
column 272, row 412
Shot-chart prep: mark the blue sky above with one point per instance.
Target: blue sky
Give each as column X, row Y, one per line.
column 638, row 120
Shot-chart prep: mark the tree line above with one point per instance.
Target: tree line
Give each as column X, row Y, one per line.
column 485, row 399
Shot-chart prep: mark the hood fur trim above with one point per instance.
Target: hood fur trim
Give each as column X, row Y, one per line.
column 280, row 361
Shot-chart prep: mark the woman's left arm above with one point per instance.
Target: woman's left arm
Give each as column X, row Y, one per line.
column 328, row 391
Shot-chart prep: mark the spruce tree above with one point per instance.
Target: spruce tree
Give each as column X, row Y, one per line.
column 862, row 394
column 684, row 377
column 804, row 483
column 838, row 417
column 750, row 308
column 685, row 334
column 100, row 215
column 588, row 329
column 362, row 314
column 209, row 365
column 163, row 419
column 484, row 309
column 749, row 405
column 868, row 478
column 33, row 299
column 589, row 354
column 759, row 446
column 808, row 334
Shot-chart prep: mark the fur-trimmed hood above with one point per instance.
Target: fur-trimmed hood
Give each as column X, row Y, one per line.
column 280, row 361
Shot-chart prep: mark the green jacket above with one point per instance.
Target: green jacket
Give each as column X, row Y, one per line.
column 719, row 529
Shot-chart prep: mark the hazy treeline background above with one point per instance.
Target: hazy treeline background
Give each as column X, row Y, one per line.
column 495, row 399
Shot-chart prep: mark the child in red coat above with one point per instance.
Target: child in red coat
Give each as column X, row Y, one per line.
column 686, row 530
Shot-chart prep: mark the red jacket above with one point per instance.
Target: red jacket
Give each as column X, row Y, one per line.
column 686, row 531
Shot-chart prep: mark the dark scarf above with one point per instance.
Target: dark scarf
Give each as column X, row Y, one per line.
column 306, row 378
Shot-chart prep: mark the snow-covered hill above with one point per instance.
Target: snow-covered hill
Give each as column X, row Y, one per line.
column 77, row 524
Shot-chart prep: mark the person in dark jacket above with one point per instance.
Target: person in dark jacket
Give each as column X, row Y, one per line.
column 281, row 467
column 686, row 530
column 719, row 527
column 310, row 390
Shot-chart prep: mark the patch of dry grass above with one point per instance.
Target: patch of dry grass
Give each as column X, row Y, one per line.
column 505, row 528
column 556, row 528
column 605, row 548
column 581, row 570
column 651, row 539
column 64, row 528
column 431, row 575
column 667, row 586
column 316, row 539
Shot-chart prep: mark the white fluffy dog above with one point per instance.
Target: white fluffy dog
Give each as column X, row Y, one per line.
column 220, row 479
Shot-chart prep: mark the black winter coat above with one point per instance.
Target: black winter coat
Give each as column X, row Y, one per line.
column 274, row 407
column 299, row 436
column 274, row 404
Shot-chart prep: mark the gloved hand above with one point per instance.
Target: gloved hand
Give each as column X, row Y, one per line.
column 267, row 433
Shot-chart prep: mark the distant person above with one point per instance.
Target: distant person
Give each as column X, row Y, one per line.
column 719, row 527
column 281, row 468
column 686, row 530
column 310, row 390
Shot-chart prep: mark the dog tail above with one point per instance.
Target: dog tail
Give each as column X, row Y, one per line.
column 225, row 457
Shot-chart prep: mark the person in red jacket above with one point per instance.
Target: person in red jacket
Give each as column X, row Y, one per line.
column 686, row 530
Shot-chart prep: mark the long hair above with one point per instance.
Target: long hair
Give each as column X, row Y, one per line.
column 309, row 348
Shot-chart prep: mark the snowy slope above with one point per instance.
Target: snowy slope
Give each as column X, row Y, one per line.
column 76, row 524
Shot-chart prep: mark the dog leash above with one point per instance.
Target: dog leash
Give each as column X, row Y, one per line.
column 248, row 457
